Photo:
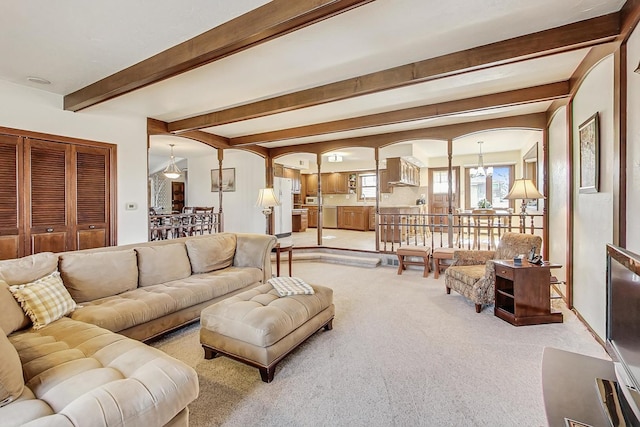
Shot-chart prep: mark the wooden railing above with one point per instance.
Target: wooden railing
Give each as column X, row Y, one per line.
column 460, row 230
column 172, row 226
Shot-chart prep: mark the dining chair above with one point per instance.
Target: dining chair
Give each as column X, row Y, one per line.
column 483, row 223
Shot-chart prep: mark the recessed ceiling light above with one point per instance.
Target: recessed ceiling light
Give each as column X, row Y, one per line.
column 38, row 80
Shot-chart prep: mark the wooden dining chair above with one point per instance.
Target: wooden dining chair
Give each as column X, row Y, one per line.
column 483, row 223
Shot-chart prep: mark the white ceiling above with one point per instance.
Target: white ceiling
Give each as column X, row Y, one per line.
column 74, row 43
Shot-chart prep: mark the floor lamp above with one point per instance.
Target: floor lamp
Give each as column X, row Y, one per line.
column 267, row 200
column 523, row 189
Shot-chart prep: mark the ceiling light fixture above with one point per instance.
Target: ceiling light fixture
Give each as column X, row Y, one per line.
column 38, row 80
column 480, row 171
column 172, row 171
column 334, row 158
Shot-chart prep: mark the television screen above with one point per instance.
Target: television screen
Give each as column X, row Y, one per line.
column 623, row 310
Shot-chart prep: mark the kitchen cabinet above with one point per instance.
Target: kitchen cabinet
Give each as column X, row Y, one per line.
column 294, row 175
column 278, row 170
column 372, row 218
column 402, row 172
column 311, row 184
column 353, row 218
column 396, row 221
column 335, row 183
column 299, row 220
column 384, row 182
column 312, row 216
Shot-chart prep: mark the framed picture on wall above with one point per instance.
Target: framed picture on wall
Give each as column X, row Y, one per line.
column 228, row 179
column 588, row 133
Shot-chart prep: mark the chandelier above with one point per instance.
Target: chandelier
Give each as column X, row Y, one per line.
column 481, row 171
column 172, row 170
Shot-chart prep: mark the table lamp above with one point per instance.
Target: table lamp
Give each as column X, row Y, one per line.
column 267, row 199
column 524, row 189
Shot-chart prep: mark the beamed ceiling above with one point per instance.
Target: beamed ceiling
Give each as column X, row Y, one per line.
column 314, row 74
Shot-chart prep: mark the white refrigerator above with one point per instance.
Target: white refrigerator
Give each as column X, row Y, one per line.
column 282, row 214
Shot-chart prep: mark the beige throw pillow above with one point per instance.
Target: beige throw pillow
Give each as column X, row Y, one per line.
column 211, row 253
column 29, row 268
column 162, row 263
column 95, row 275
column 44, row 300
column 11, row 377
column 12, row 318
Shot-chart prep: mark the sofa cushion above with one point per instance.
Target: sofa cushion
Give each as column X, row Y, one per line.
column 159, row 264
column 89, row 276
column 211, row 253
column 12, row 318
column 11, row 380
column 44, row 300
column 78, row 374
column 467, row 274
column 29, row 268
column 144, row 304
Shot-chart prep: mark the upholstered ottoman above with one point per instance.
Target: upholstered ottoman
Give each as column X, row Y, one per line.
column 259, row 328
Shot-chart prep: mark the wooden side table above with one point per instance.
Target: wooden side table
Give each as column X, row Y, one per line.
column 523, row 293
column 283, row 247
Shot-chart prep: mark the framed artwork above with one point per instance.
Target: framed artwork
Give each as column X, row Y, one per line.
column 588, row 133
column 228, row 180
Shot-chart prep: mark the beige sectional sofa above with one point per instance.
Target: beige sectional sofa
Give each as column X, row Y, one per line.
column 75, row 370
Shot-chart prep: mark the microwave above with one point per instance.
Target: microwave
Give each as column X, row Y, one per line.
column 311, row 200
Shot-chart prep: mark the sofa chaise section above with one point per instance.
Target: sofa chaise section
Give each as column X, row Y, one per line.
column 79, row 374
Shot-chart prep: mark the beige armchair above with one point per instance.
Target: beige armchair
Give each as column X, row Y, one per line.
column 472, row 273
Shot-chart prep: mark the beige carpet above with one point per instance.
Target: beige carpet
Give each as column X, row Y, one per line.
column 402, row 353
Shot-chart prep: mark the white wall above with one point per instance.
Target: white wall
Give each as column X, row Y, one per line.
column 39, row 111
column 633, row 143
column 239, row 207
column 558, row 190
column 593, row 213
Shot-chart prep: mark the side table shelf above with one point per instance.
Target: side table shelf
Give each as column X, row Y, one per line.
column 522, row 293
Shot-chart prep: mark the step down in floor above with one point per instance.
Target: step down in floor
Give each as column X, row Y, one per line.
column 333, row 258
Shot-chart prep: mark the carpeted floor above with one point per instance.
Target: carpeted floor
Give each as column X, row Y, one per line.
column 401, row 353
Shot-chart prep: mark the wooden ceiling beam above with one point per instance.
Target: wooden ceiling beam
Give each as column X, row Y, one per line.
column 560, row 39
column 272, row 20
column 444, row 133
column 528, row 95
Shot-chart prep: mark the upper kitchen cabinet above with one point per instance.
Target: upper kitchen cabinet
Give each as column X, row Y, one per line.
column 294, row 175
column 384, row 182
column 335, row 183
column 402, row 172
column 281, row 171
column 311, row 184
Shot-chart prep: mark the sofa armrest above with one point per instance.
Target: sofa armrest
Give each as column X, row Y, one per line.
column 254, row 250
column 472, row 257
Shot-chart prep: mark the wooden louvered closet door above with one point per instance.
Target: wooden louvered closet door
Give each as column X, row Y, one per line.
column 92, row 197
column 48, row 165
column 11, row 225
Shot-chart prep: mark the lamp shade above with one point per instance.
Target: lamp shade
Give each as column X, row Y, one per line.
column 172, row 171
column 524, row 189
column 267, row 198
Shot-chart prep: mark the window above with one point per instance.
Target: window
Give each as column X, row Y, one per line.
column 441, row 182
column 492, row 188
column 368, row 183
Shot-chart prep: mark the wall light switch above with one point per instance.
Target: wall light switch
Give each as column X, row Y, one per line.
column 131, row 206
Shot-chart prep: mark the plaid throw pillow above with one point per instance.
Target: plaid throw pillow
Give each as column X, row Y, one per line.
column 44, row 300
column 286, row 286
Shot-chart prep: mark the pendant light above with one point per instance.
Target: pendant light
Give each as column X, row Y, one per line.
column 172, row 171
column 480, row 171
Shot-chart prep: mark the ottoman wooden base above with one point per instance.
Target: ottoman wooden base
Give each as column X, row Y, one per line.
column 266, row 372
column 249, row 326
